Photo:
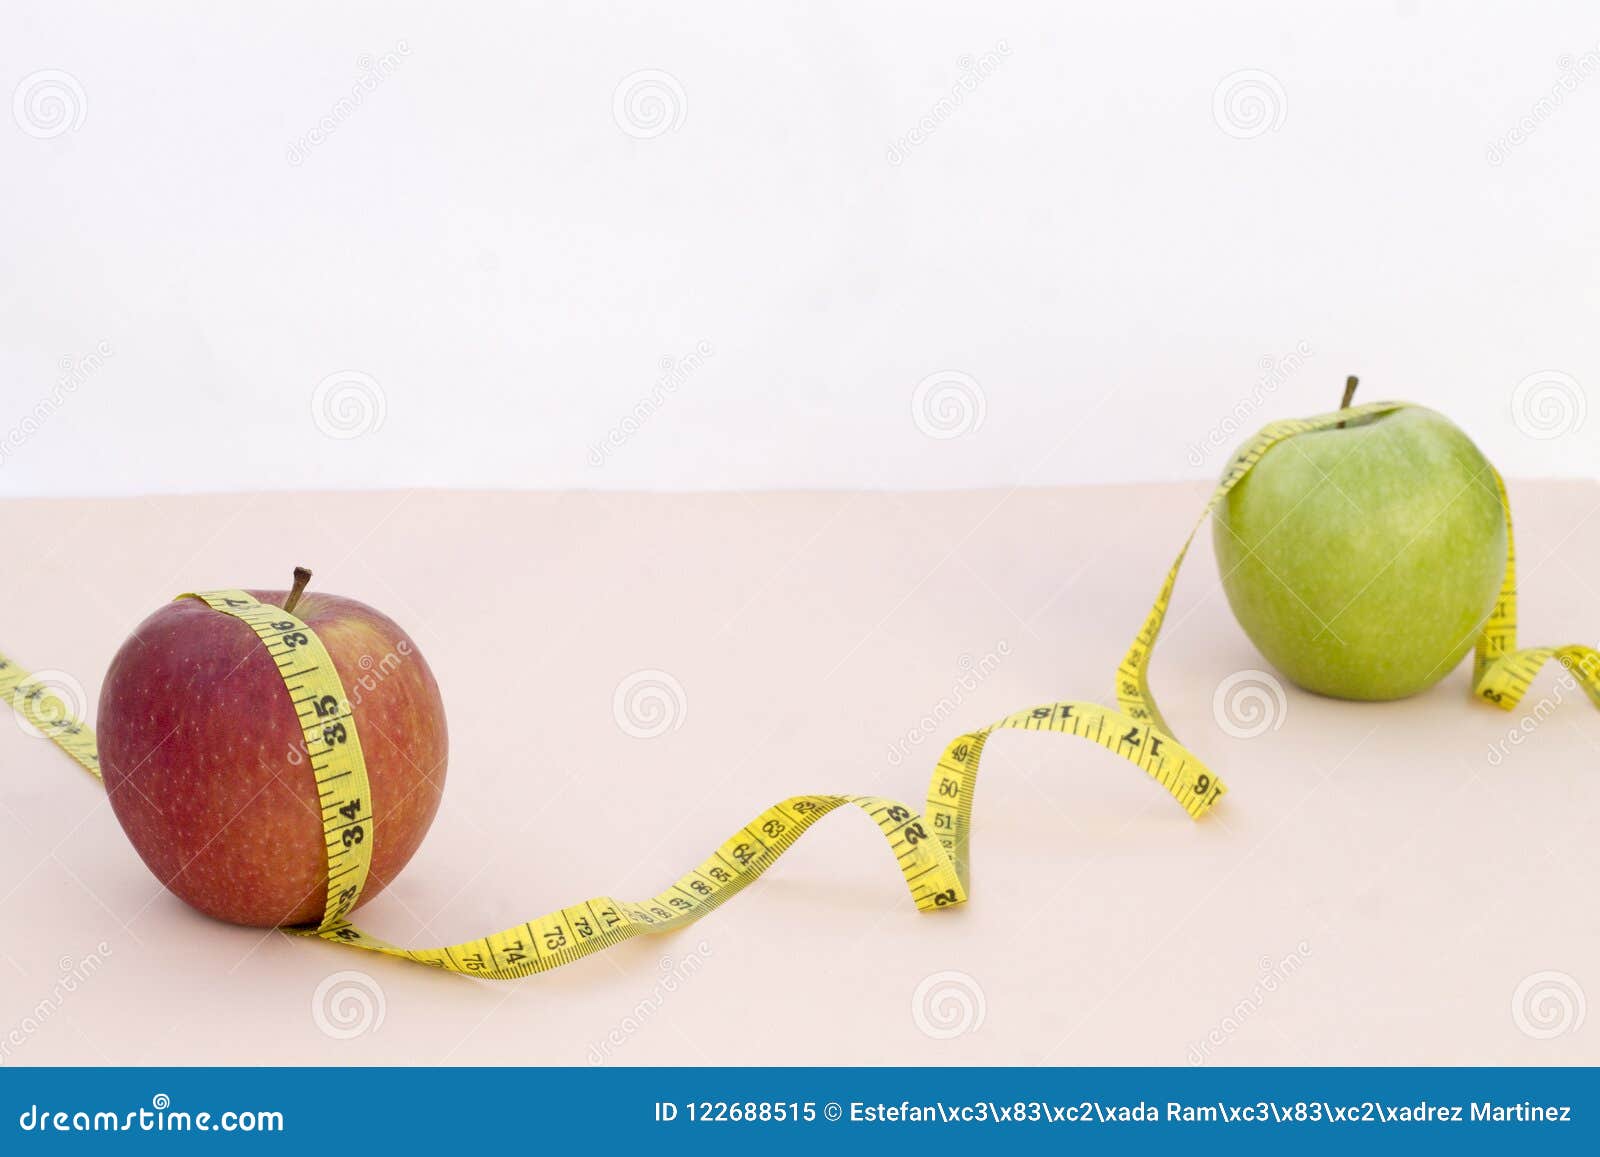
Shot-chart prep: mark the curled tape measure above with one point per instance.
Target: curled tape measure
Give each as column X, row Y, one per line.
column 932, row 848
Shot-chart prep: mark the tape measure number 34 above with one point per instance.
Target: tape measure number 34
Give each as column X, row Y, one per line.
column 931, row 847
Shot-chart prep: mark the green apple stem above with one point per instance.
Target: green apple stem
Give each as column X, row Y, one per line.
column 301, row 577
column 1349, row 392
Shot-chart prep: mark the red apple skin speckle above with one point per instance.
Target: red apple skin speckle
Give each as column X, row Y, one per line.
column 205, row 763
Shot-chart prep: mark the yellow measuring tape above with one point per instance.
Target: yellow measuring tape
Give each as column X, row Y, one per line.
column 931, row 847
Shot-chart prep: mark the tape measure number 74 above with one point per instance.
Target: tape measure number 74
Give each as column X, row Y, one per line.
column 932, row 848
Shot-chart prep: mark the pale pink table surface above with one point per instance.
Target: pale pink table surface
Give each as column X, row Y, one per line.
column 1414, row 882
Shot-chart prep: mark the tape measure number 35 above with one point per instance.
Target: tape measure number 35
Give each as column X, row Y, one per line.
column 931, row 847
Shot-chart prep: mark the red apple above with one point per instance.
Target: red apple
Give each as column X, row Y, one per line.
column 205, row 761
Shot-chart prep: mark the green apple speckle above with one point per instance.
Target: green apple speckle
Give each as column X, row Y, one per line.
column 1362, row 560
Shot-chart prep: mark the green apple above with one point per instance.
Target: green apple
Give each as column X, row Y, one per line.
column 1363, row 559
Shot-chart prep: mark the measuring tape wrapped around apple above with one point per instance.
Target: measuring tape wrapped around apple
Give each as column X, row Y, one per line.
column 304, row 762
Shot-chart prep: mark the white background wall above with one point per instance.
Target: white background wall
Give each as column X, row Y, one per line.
column 497, row 253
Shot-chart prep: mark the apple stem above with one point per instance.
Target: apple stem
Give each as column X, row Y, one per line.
column 1349, row 392
column 301, row 577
